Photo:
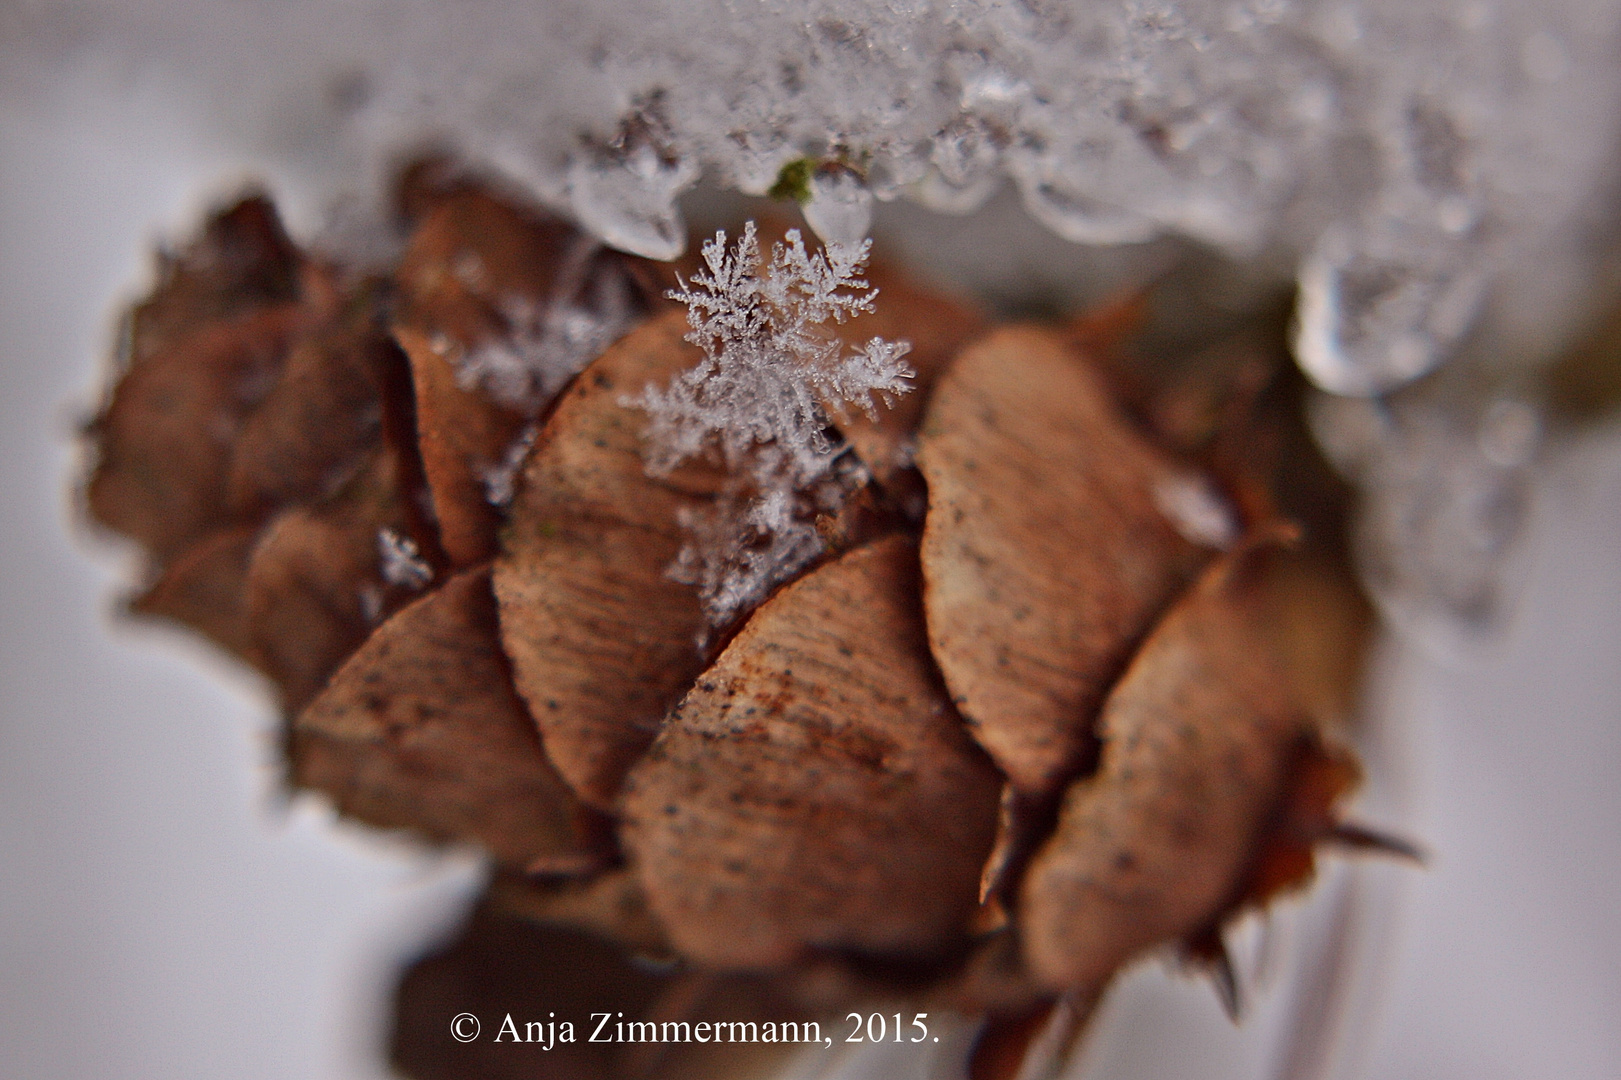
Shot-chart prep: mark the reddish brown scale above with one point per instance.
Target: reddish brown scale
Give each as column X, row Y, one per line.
column 421, row 729
column 166, row 438
column 1200, row 739
column 602, row 641
column 471, row 257
column 1045, row 556
column 241, row 262
column 203, row 589
column 320, row 420
column 810, row 795
column 315, row 587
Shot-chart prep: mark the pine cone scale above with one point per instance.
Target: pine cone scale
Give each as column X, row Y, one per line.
column 1199, row 736
column 801, row 798
column 1045, row 559
column 421, row 728
column 602, row 641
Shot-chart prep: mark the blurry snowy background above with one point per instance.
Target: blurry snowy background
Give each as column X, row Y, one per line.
column 1438, row 177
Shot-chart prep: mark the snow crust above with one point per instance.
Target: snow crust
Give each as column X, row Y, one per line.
column 1438, row 177
column 1399, row 153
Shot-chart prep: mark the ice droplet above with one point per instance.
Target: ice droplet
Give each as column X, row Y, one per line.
column 963, row 176
column 628, row 200
column 1081, row 219
column 840, row 206
column 1369, row 323
column 1438, row 521
column 1198, row 511
column 1444, row 493
column 757, row 160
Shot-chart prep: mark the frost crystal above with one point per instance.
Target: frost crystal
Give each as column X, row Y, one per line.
column 401, row 561
column 771, row 370
column 741, row 548
column 500, row 479
column 546, row 345
column 770, row 364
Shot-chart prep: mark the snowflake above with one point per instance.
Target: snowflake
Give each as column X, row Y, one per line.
column 772, row 368
column 401, row 562
column 744, row 546
column 500, row 479
column 547, row 344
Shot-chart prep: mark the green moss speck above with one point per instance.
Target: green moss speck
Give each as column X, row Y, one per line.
column 793, row 181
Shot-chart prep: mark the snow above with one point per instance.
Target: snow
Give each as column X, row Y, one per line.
column 759, row 397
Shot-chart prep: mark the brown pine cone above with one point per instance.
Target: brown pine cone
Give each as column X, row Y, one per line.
column 1056, row 694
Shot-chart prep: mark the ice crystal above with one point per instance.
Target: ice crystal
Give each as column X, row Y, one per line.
column 401, row 562
column 546, row 344
column 771, row 370
column 771, row 366
column 1416, row 164
column 742, row 548
column 500, row 479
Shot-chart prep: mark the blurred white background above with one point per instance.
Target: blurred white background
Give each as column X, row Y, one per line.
column 163, row 915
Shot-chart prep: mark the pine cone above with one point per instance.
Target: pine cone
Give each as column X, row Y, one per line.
column 1056, row 694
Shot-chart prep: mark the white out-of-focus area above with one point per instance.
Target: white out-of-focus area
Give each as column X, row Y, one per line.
column 163, row 916
column 1419, row 167
column 163, row 912
column 1437, row 181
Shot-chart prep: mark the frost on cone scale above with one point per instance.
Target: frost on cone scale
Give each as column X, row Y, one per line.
column 800, row 818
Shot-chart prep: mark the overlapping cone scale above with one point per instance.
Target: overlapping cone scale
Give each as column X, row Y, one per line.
column 1199, row 736
column 166, row 435
column 810, row 792
column 241, row 261
column 421, row 728
column 1045, row 557
column 471, row 262
column 602, row 641
column 988, row 748
column 323, row 415
column 316, row 584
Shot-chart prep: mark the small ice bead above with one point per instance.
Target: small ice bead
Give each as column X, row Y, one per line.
column 1368, row 325
column 964, row 159
column 629, row 202
column 1197, row 511
column 840, row 207
column 1077, row 216
column 937, row 193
